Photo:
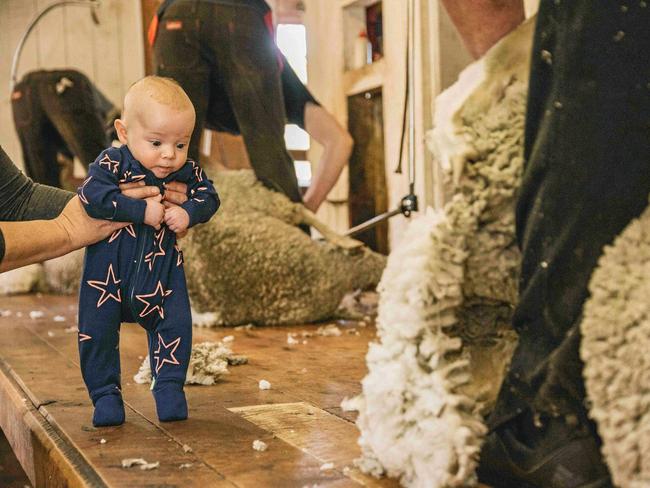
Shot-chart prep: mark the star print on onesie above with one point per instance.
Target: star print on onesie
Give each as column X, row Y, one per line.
column 170, row 399
column 157, row 297
column 104, row 286
column 167, row 349
column 82, row 197
column 136, row 275
column 150, row 258
column 129, row 228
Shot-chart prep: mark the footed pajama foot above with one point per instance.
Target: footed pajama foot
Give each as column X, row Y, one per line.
column 170, row 402
column 109, row 410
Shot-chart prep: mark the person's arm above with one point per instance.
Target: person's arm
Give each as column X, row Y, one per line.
column 304, row 110
column 481, row 23
column 23, row 199
column 34, row 241
column 38, row 222
column 337, row 147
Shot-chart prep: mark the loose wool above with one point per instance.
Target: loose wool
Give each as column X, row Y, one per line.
column 447, row 294
column 615, row 339
column 209, row 362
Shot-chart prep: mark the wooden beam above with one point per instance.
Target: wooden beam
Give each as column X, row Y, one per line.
column 45, row 456
column 40, row 357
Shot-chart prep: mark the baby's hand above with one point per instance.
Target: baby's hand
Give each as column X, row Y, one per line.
column 177, row 219
column 155, row 212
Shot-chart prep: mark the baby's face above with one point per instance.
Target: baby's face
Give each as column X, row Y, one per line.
column 159, row 138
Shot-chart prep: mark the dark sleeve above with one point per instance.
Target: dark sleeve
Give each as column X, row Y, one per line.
column 22, row 199
column 202, row 199
column 101, row 195
column 296, row 95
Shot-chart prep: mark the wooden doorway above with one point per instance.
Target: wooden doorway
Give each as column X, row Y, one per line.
column 368, row 194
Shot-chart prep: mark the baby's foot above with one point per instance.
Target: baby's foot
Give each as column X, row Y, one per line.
column 109, row 410
column 170, row 402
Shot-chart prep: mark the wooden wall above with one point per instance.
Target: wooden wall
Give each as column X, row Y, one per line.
column 439, row 57
column 110, row 54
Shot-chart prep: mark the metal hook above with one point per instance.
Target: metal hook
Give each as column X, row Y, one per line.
column 84, row 3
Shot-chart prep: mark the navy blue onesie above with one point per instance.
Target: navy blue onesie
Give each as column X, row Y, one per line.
column 136, row 275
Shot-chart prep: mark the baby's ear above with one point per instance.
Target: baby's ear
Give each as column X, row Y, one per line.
column 120, row 128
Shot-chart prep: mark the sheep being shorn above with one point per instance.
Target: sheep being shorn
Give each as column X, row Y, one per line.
column 252, row 264
column 447, row 294
column 615, row 338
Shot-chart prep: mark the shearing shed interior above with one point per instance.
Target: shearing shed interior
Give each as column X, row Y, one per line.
column 324, row 243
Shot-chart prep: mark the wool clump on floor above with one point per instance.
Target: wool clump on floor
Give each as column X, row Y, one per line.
column 447, row 293
column 141, row 463
column 259, row 445
column 209, row 361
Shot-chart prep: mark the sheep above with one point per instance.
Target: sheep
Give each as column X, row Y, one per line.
column 251, row 263
column 448, row 291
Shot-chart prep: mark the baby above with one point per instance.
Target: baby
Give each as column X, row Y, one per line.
column 136, row 274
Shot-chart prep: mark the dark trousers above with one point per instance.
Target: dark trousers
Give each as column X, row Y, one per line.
column 587, row 174
column 225, row 59
column 53, row 117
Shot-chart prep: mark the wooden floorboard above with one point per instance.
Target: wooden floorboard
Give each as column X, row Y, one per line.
column 39, row 362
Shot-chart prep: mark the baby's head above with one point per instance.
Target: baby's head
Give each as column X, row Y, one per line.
column 157, row 123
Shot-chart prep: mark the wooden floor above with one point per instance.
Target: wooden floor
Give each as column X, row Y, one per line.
column 46, row 413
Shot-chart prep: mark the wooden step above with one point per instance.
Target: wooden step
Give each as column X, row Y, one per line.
column 46, row 412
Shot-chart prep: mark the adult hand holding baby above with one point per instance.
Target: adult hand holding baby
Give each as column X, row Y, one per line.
column 82, row 230
column 175, row 194
column 165, row 208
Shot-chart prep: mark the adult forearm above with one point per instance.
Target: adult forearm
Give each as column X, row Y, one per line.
column 31, row 242
column 337, row 147
column 481, row 23
column 35, row 241
column 335, row 157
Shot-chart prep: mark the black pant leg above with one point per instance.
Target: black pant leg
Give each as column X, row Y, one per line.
column 35, row 131
column 587, row 175
column 178, row 55
column 74, row 112
column 252, row 78
column 234, row 44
